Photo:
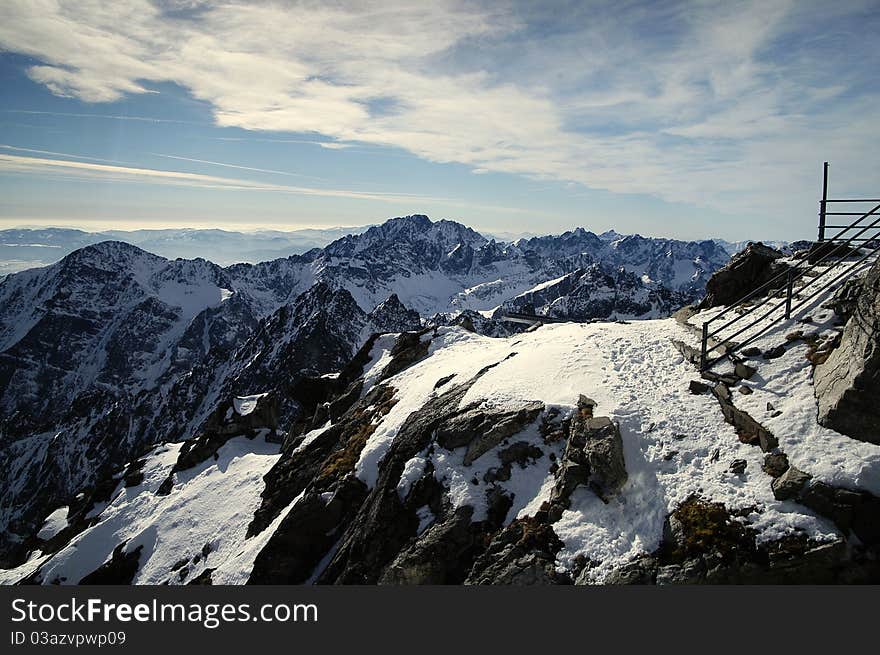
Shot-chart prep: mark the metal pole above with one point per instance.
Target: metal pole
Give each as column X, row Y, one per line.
column 788, row 294
column 705, row 342
column 823, row 202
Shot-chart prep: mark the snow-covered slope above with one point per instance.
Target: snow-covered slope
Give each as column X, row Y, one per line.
column 113, row 349
column 574, row 452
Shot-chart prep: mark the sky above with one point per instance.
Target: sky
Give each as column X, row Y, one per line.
column 692, row 120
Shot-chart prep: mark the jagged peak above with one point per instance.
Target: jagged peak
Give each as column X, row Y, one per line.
column 109, row 255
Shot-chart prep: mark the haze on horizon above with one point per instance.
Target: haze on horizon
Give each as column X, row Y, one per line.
column 682, row 119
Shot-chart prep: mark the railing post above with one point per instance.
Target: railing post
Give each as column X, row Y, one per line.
column 788, row 290
column 823, row 202
column 704, row 346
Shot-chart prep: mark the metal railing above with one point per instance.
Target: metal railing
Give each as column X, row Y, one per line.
column 847, row 250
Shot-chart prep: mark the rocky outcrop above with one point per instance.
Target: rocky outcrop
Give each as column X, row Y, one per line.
column 393, row 316
column 522, row 554
column 747, row 428
column 847, row 384
column 385, row 524
column 745, row 272
column 118, row 570
column 704, row 543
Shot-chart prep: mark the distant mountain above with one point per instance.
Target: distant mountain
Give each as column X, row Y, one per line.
column 734, row 247
column 21, row 249
column 114, row 349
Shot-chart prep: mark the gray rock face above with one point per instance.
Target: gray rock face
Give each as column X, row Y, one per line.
column 747, row 271
column 481, row 430
column 593, row 458
column 522, row 554
column 788, row 485
column 847, row 385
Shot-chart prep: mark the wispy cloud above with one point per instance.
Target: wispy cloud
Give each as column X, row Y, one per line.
column 68, row 169
column 729, row 105
column 236, row 166
column 113, row 117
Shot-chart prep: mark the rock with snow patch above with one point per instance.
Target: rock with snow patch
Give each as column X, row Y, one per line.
column 746, row 271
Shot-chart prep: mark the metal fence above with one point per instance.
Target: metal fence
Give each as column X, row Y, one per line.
column 841, row 250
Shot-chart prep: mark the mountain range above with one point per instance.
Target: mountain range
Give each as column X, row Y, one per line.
column 113, row 349
column 24, row 248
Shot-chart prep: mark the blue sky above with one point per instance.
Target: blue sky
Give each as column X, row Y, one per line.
column 690, row 119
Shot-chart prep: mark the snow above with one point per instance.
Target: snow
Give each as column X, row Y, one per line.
column 236, row 569
column 641, row 382
column 211, row 503
column 412, row 471
column 676, row 445
column 244, row 405
column 426, row 518
column 54, row 523
column 380, row 357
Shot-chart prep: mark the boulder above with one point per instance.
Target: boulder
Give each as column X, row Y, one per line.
column 775, row 464
column 738, row 466
column 593, row 457
column 744, row 371
column 847, row 384
column 745, row 272
column 788, row 485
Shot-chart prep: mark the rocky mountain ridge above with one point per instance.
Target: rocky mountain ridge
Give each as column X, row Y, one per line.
column 574, row 453
column 114, row 349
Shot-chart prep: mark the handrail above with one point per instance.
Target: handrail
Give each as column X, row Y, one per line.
column 791, row 275
column 790, row 311
column 784, row 274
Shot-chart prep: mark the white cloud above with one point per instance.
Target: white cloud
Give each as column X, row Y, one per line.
column 681, row 101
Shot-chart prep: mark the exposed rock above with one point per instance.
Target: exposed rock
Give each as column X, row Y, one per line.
column 393, row 316
column 697, row 388
column 745, row 272
column 728, row 379
column 385, row 525
column 439, row 556
column 481, row 429
column 524, row 553
column 775, row 464
column 641, row 571
column 305, row 535
column 738, row 466
column 325, row 461
column 854, row 510
column 744, row 371
column 774, row 353
column 120, row 569
column 748, row 429
column 690, row 572
column 698, row 526
column 830, row 250
column 846, row 298
column 226, row 422
column 593, row 457
column 203, row 578
column 691, row 355
column 847, row 384
column 789, row 484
